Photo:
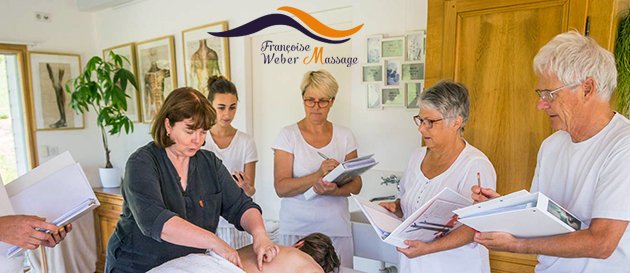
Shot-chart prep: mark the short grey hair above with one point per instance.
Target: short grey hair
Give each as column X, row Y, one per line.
column 573, row 57
column 449, row 98
column 322, row 80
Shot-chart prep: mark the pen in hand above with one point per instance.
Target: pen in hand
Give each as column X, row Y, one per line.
column 322, row 155
column 479, row 181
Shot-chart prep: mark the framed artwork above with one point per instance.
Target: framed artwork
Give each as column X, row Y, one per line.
column 413, row 71
column 413, row 90
column 391, row 96
column 205, row 55
column 373, row 49
column 392, row 69
column 416, row 46
column 51, row 102
column 157, row 75
column 372, row 73
column 128, row 51
column 393, row 47
column 374, row 97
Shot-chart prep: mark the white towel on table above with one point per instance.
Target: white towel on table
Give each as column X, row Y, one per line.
column 198, row 263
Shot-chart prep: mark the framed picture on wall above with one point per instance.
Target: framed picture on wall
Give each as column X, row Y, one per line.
column 51, row 102
column 157, row 75
column 373, row 96
column 412, row 71
column 373, row 49
column 391, row 96
column 416, row 46
column 128, row 51
column 413, row 90
column 372, row 73
column 391, row 71
column 205, row 55
column 393, row 47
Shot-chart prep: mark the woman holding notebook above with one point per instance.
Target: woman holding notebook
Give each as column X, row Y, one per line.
column 304, row 153
column 446, row 160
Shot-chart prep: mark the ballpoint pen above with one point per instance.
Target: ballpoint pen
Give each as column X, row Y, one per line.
column 322, row 155
column 479, row 181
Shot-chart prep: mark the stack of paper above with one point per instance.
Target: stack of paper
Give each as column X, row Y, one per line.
column 432, row 221
column 346, row 172
column 56, row 190
column 522, row 214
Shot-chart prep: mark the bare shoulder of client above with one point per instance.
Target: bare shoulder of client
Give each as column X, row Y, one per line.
column 289, row 260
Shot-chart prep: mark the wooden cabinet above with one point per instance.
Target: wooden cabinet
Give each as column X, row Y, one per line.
column 105, row 219
column 489, row 46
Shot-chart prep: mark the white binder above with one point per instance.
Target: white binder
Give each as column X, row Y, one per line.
column 57, row 190
column 522, row 214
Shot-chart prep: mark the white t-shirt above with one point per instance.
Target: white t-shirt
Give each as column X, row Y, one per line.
column 416, row 189
column 325, row 214
column 591, row 179
column 242, row 150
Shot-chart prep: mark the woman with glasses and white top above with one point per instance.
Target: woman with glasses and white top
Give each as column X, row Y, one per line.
column 298, row 166
column 446, row 161
column 236, row 149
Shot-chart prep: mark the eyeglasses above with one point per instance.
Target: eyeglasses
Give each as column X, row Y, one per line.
column 547, row 94
column 426, row 122
column 322, row 103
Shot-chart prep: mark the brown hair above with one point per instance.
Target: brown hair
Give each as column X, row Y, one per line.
column 220, row 85
column 320, row 247
column 183, row 103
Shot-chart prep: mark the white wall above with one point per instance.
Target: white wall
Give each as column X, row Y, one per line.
column 69, row 31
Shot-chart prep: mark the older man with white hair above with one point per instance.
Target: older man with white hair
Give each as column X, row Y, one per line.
column 583, row 166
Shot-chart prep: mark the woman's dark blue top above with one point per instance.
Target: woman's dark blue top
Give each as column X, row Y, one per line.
column 152, row 195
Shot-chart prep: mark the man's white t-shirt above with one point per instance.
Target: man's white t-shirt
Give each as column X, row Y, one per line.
column 416, row 189
column 326, row 214
column 242, row 150
column 591, row 179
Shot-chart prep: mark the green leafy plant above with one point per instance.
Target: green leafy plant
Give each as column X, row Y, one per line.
column 101, row 86
column 622, row 58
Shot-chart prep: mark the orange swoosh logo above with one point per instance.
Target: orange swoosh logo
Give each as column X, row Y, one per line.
column 318, row 26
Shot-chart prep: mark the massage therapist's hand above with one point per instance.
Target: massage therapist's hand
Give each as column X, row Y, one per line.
column 57, row 236
column 482, row 194
column 498, row 241
column 226, row 251
column 327, row 166
column 20, row 230
column 265, row 249
column 322, row 187
column 415, row 249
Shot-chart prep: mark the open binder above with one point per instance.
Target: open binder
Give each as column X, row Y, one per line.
column 57, row 190
column 430, row 222
column 522, row 214
column 345, row 172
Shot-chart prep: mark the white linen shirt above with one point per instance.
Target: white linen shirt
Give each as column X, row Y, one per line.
column 416, row 189
column 591, row 179
column 326, row 214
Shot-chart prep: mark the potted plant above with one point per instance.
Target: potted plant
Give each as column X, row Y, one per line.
column 101, row 87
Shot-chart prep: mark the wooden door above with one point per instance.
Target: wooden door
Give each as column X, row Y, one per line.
column 489, row 46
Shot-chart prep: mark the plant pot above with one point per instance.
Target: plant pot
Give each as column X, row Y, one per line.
column 110, row 177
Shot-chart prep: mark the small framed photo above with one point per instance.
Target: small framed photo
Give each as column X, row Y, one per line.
column 392, row 70
column 373, row 49
column 374, row 96
column 50, row 72
column 128, row 51
column 412, row 71
column 373, row 73
column 413, row 90
column 416, row 46
column 393, row 47
column 205, row 55
column 157, row 73
column 391, row 96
